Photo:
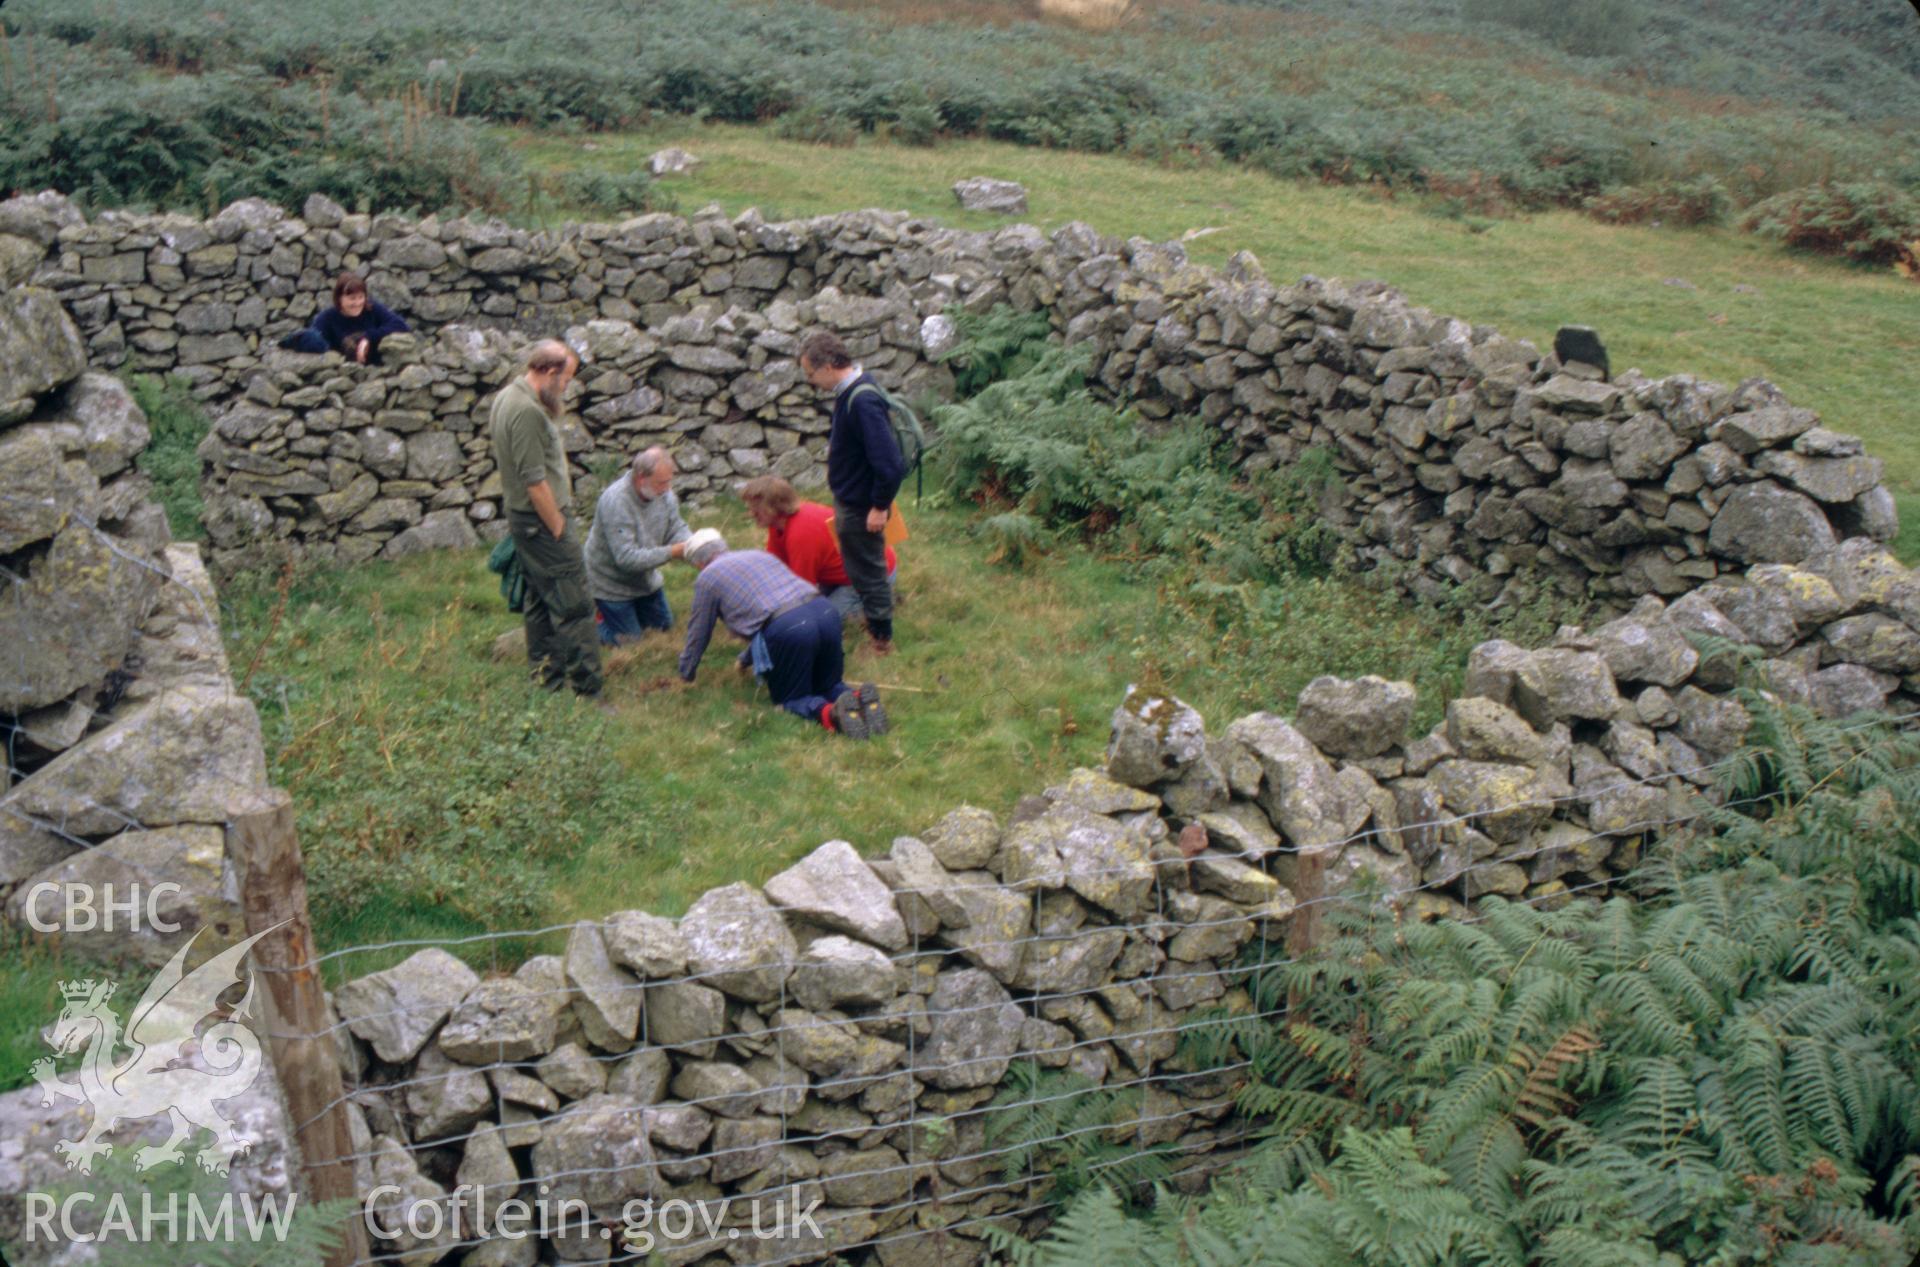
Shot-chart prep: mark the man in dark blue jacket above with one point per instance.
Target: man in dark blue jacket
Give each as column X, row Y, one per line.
column 864, row 470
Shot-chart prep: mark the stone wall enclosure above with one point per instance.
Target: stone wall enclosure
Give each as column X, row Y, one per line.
column 1468, row 456
column 841, row 1033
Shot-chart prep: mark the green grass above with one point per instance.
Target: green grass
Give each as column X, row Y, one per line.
column 30, row 999
column 171, row 459
column 441, row 796
column 1836, row 338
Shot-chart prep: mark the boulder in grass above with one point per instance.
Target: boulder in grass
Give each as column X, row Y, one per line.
column 672, row 161
column 983, row 193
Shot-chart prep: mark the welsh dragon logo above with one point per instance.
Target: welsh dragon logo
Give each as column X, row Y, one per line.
column 158, row 1074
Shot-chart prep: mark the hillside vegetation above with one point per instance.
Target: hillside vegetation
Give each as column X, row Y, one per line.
column 1500, row 103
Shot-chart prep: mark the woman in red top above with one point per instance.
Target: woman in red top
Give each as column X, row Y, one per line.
column 800, row 535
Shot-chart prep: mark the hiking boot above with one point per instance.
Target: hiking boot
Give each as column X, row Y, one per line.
column 871, row 708
column 847, row 718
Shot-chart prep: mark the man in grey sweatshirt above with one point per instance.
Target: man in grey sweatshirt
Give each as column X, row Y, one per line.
column 636, row 528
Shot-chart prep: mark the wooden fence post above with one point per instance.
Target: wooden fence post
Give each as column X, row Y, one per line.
column 1303, row 927
column 273, row 890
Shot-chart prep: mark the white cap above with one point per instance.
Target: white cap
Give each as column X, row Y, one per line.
column 700, row 540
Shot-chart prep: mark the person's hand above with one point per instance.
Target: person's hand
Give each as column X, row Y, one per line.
column 678, row 550
column 877, row 518
column 360, row 350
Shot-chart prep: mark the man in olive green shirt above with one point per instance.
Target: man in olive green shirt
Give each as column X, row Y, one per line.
column 562, row 644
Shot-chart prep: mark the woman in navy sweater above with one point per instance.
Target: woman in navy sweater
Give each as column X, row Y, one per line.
column 353, row 327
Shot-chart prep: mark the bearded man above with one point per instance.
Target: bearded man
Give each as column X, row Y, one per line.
column 562, row 645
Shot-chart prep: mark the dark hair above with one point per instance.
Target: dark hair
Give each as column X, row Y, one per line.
column 824, row 350
column 772, row 492
column 349, row 284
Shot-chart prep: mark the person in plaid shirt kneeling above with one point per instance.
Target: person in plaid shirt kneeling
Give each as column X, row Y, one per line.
column 792, row 635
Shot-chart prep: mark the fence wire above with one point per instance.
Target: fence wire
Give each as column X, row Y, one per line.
column 1124, row 1051
column 912, row 1169
column 1126, row 1122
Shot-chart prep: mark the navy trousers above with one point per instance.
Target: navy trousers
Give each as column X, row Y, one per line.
column 804, row 645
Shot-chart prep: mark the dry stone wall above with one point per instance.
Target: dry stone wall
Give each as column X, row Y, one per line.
column 839, row 1035
column 1468, row 457
column 126, row 740
column 834, row 1037
column 839, row 1032
column 127, row 746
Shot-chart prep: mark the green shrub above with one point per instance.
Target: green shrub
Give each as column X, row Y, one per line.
column 918, row 123
column 1015, row 538
column 111, row 135
column 1001, row 343
column 1411, row 112
column 815, row 125
column 1701, row 200
column 1063, row 1125
column 1871, row 223
column 29, row 998
column 1598, row 28
column 1042, row 440
column 605, row 193
column 177, row 424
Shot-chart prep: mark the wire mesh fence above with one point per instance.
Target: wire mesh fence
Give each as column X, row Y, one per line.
column 909, row 1111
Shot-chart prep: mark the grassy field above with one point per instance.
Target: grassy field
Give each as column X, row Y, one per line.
column 441, row 796
column 1709, row 302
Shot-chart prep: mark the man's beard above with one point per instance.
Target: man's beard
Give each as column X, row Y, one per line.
column 549, row 394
